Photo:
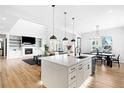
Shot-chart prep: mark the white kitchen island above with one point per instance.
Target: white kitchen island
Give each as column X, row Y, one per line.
column 62, row 71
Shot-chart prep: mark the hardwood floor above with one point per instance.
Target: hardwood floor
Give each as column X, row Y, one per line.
column 18, row 74
column 106, row 77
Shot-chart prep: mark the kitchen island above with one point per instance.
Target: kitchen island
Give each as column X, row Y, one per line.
column 62, row 71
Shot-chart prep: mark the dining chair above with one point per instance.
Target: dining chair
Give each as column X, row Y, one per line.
column 99, row 58
column 104, row 60
column 116, row 60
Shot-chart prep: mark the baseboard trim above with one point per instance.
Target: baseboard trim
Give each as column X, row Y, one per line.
column 121, row 61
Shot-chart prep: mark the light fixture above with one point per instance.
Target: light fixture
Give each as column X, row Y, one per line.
column 110, row 12
column 4, row 18
column 73, row 40
column 65, row 38
column 53, row 37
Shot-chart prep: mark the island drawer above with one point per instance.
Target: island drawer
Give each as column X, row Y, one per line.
column 80, row 64
column 87, row 66
column 71, row 77
column 73, row 85
column 72, row 69
column 80, row 69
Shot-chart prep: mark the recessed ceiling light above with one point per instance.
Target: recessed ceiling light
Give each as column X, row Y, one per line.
column 4, row 18
column 110, row 11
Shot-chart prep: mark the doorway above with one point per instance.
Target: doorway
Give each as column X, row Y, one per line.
column 3, row 46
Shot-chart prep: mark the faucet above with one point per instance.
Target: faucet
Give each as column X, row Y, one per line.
column 79, row 51
column 76, row 51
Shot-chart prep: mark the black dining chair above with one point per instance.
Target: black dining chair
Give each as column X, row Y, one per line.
column 104, row 60
column 116, row 60
column 99, row 58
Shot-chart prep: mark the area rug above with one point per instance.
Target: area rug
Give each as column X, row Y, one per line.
column 29, row 61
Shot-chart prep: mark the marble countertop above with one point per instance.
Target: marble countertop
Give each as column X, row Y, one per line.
column 65, row 59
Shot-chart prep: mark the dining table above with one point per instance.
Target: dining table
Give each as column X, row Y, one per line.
column 108, row 57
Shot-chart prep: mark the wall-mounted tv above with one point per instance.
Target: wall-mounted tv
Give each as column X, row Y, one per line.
column 30, row 40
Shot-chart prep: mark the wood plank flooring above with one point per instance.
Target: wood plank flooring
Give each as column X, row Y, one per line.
column 15, row 73
column 18, row 74
column 106, row 77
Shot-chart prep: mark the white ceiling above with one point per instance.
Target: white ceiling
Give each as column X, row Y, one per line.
column 87, row 16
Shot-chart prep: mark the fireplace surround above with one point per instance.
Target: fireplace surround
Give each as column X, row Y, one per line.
column 28, row 51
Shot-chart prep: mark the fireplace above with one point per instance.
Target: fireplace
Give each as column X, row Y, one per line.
column 28, row 51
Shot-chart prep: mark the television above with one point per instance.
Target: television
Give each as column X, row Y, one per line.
column 30, row 40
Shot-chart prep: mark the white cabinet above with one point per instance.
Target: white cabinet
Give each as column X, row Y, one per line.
column 83, row 71
column 60, row 76
column 73, row 85
column 72, row 69
column 72, row 77
column 80, row 75
column 87, row 70
column 14, row 54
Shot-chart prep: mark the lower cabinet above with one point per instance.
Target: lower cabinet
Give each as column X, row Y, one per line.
column 80, row 74
column 87, row 70
column 60, row 76
column 73, row 85
column 72, row 77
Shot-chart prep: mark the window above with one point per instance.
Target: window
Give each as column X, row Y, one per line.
column 95, row 44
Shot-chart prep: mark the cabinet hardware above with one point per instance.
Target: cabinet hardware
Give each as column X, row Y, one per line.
column 80, row 68
column 73, row 68
column 73, row 77
column 80, row 65
column 88, row 66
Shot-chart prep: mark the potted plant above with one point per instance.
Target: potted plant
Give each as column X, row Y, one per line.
column 46, row 49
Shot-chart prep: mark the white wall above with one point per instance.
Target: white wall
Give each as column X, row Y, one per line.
column 27, row 28
column 117, row 40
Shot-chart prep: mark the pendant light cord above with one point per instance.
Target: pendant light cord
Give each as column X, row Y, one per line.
column 53, row 18
column 97, row 29
column 73, row 26
column 65, row 22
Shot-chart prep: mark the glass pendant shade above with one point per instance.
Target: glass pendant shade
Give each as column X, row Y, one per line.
column 73, row 40
column 65, row 39
column 53, row 37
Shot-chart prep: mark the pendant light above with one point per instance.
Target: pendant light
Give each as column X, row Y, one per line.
column 65, row 38
column 73, row 40
column 53, row 37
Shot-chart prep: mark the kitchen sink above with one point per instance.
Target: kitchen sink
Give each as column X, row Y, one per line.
column 81, row 57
